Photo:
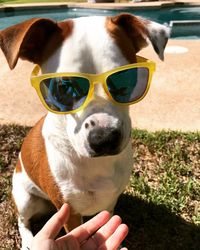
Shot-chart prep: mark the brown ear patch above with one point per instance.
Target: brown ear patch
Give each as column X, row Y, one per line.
column 65, row 29
column 16, row 41
column 28, row 40
column 129, row 34
column 36, row 39
column 129, row 30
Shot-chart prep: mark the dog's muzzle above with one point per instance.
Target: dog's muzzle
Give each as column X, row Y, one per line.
column 105, row 141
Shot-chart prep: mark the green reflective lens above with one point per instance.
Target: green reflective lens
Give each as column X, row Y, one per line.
column 128, row 85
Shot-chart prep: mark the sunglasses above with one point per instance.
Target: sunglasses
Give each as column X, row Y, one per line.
column 66, row 93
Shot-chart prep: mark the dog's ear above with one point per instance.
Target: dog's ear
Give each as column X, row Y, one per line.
column 26, row 40
column 140, row 31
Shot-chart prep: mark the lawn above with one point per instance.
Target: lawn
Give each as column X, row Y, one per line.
column 161, row 205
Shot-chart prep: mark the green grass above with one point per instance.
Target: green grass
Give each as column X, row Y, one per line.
column 161, row 205
column 170, row 175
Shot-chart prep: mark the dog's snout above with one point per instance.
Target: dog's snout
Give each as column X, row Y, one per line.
column 105, row 141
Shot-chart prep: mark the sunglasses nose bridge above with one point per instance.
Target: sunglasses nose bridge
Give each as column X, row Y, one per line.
column 97, row 79
column 98, row 86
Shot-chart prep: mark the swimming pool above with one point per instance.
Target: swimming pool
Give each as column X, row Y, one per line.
column 184, row 19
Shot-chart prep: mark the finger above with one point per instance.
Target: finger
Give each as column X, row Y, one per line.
column 102, row 234
column 116, row 239
column 83, row 232
column 107, row 230
column 54, row 225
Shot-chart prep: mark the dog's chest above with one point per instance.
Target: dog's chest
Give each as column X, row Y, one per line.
column 90, row 194
column 89, row 184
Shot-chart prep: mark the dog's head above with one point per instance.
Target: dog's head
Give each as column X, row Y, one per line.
column 89, row 45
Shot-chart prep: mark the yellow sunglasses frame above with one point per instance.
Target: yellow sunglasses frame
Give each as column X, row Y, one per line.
column 93, row 79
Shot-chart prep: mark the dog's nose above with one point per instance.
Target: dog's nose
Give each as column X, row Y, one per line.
column 105, row 141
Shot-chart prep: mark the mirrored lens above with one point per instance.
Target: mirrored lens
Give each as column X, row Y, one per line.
column 64, row 93
column 128, row 85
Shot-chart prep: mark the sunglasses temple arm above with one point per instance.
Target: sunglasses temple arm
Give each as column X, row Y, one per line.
column 35, row 71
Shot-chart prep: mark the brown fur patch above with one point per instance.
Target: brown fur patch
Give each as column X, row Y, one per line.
column 18, row 168
column 34, row 157
column 65, row 29
column 73, row 222
column 129, row 32
column 122, row 40
column 28, row 40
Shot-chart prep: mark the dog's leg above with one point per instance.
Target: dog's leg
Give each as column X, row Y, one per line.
column 25, row 233
column 23, row 220
column 22, row 201
column 74, row 221
column 27, row 206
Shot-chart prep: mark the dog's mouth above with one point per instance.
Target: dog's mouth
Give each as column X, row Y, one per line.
column 105, row 142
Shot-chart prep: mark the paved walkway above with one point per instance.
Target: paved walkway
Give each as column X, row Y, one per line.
column 173, row 101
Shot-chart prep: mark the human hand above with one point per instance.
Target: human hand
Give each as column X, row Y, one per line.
column 101, row 232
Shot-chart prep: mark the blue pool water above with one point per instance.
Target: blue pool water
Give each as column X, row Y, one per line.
column 177, row 15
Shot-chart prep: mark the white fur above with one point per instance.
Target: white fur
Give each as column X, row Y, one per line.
column 89, row 49
column 90, row 184
column 159, row 35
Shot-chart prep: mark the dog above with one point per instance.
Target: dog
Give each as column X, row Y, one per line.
column 82, row 157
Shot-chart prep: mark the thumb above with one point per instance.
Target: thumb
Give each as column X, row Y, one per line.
column 56, row 222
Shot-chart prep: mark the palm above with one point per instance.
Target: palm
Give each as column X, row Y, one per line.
column 100, row 233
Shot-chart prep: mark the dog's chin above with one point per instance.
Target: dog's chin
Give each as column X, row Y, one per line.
column 93, row 154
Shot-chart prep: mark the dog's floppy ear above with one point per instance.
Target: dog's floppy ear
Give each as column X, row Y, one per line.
column 26, row 40
column 140, row 31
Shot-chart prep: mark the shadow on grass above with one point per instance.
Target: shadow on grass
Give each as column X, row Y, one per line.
column 151, row 227
column 155, row 227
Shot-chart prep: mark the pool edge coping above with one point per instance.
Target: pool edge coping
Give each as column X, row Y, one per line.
column 130, row 5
